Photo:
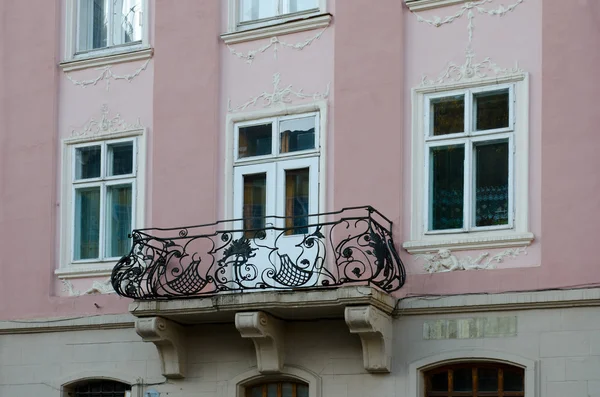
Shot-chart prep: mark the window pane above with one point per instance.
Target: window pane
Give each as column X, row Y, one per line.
column 87, row 162
column 255, row 140
column 463, row 379
column 87, row 223
column 439, row 381
column 447, row 187
column 93, row 24
column 491, row 184
column 272, row 390
column 287, row 390
column 296, row 201
column 127, row 21
column 255, row 202
column 297, row 134
column 120, row 158
column 302, row 391
column 256, row 391
column 513, row 380
column 488, row 379
column 257, row 9
column 302, row 5
column 448, row 115
column 118, row 220
column 491, row 110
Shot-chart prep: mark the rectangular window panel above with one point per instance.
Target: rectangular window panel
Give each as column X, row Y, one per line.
column 447, row 187
column 297, row 134
column 118, row 219
column 255, row 203
column 448, row 115
column 87, row 223
column 120, row 158
column 302, row 5
column 87, row 162
column 272, row 390
column 255, row 140
column 302, row 391
column 93, row 24
column 491, row 183
column 487, row 379
column 513, row 380
column 491, row 110
column 127, row 21
column 251, row 10
column 463, row 379
column 296, row 201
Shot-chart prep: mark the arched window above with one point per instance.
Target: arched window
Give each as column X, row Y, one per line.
column 99, row 388
column 277, row 389
column 476, row 379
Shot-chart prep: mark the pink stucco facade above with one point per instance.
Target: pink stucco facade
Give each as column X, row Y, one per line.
column 365, row 64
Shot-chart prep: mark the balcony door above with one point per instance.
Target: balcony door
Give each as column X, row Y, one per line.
column 272, row 202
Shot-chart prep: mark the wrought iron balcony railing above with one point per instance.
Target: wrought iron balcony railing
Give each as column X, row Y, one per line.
column 350, row 246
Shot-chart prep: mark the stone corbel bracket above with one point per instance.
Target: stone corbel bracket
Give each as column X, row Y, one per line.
column 169, row 339
column 267, row 333
column 375, row 330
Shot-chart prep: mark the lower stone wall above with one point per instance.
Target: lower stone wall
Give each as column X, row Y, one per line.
column 560, row 349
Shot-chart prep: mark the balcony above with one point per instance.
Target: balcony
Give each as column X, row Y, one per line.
column 341, row 264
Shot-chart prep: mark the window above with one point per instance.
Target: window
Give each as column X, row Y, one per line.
column 102, row 200
column 100, row 388
column 254, row 10
column 108, row 23
column 278, row 389
column 470, row 166
column 475, row 380
column 469, row 146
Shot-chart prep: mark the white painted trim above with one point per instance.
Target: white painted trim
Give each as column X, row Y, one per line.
column 532, row 300
column 233, row 24
column 421, row 5
column 62, row 385
column 416, row 387
column 518, row 235
column 230, row 130
column 96, row 268
column 64, row 324
column 236, row 386
column 103, row 54
column 128, row 55
column 281, row 28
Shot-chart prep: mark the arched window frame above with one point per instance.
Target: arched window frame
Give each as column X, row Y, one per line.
column 66, row 384
column 237, row 386
column 417, row 369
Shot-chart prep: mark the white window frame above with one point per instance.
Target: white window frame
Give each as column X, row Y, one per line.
column 516, row 233
column 421, row 5
column 236, row 120
column 68, row 267
column 74, row 60
column 283, row 23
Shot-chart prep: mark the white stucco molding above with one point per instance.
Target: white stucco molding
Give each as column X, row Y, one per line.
column 416, row 386
column 236, row 386
column 375, row 330
column 420, row 5
column 169, row 339
column 267, row 333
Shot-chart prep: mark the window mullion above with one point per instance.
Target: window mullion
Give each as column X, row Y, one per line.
column 110, row 28
column 469, row 180
column 102, row 222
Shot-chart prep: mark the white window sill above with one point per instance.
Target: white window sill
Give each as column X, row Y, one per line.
column 481, row 240
column 86, row 270
column 420, row 5
column 284, row 27
column 104, row 58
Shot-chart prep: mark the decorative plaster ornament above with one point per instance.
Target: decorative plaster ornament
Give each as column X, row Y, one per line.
column 274, row 43
column 98, row 287
column 106, row 125
column 470, row 69
column 107, row 75
column 280, row 95
column 446, row 261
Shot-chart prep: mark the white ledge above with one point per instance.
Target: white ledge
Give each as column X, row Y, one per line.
column 81, row 271
column 104, row 59
column 419, row 5
column 294, row 26
column 464, row 242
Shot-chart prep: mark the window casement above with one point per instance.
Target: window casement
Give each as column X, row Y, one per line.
column 477, row 379
column 277, row 389
column 112, row 29
column 102, row 202
column 99, row 388
column 276, row 172
column 470, row 167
